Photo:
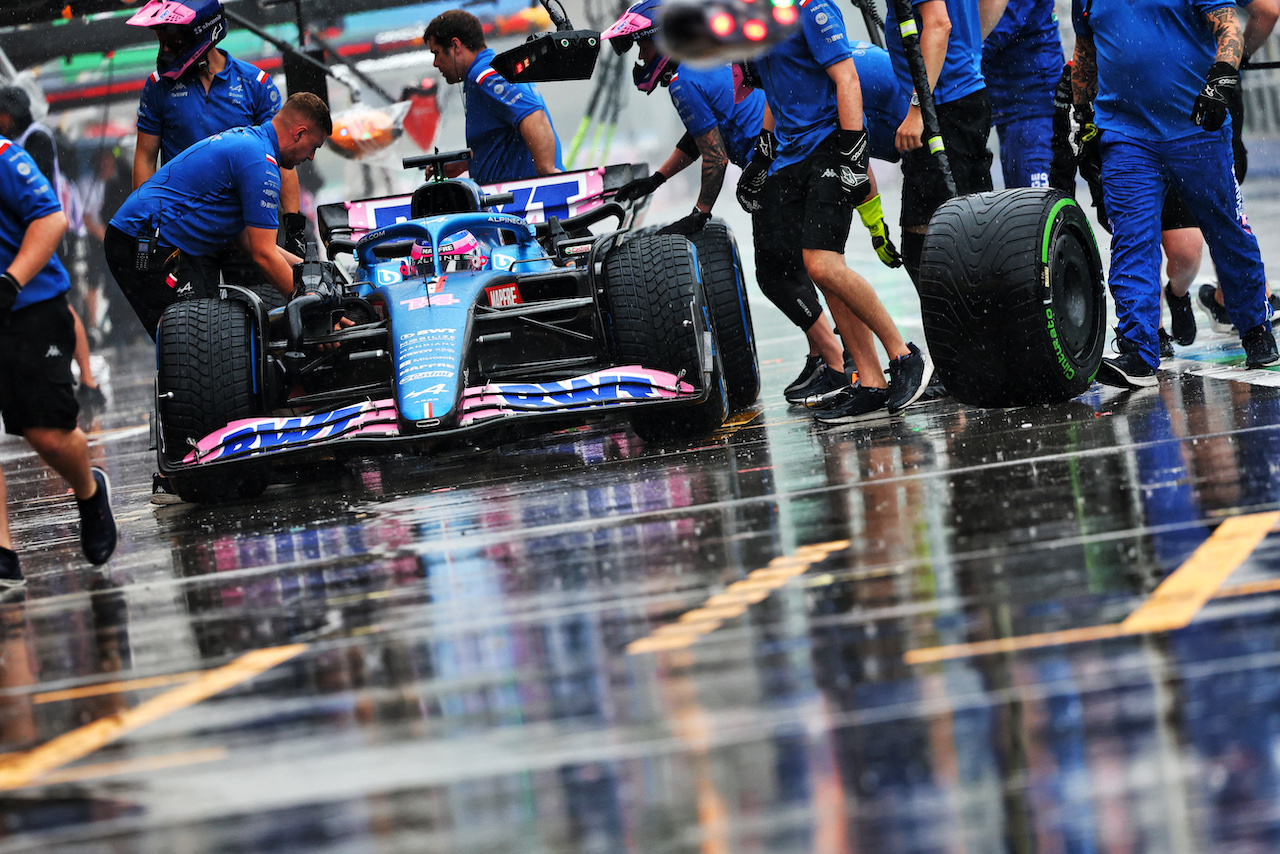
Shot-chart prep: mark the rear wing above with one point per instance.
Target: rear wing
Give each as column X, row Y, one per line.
column 535, row 199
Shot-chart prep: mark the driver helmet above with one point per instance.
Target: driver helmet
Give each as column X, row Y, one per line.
column 188, row 30
column 640, row 21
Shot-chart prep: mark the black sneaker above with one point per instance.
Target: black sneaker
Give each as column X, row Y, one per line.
column 830, row 384
column 1182, row 318
column 1128, row 370
column 1259, row 347
column 11, row 578
column 1218, row 318
column 1274, row 302
column 1166, row 344
column 797, row 389
column 853, row 403
column 909, row 376
column 162, row 491
column 97, row 525
column 935, row 390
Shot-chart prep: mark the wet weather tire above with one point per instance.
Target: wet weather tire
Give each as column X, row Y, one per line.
column 1011, row 294
column 726, row 291
column 654, row 314
column 208, row 377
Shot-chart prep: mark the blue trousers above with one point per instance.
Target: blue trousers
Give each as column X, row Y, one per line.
column 1135, row 175
column 1025, row 152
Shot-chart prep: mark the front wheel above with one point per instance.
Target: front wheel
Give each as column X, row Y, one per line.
column 208, row 377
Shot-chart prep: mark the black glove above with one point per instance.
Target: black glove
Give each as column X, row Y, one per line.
column 295, row 234
column 9, row 290
column 1062, row 168
column 688, row 226
column 640, row 187
column 1220, row 86
column 751, row 183
column 846, row 151
column 1089, row 143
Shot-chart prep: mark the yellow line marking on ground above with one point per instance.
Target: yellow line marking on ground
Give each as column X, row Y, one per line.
column 1253, row 588
column 19, row 769
column 118, row 687
column 1171, row 606
column 734, row 600
column 133, row 766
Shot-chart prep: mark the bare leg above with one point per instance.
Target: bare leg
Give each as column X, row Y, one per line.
column 1183, row 249
column 862, row 346
column 82, row 353
column 67, row 453
column 829, row 272
column 823, row 342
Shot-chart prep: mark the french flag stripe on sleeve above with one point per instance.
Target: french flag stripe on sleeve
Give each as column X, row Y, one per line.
column 4, row 146
column 272, row 160
column 155, row 77
column 485, row 75
column 262, row 77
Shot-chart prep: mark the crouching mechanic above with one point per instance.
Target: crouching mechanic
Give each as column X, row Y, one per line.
column 819, row 176
column 223, row 189
column 1175, row 135
column 37, row 339
column 509, row 130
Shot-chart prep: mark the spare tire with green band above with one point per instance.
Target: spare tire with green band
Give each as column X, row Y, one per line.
column 1011, row 294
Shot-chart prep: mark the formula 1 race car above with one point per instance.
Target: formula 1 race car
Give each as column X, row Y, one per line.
column 468, row 319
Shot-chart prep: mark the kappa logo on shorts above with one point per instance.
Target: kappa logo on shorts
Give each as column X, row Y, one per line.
column 830, row 173
column 54, row 352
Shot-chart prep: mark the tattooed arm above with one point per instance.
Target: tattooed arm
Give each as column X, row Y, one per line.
column 715, row 159
column 1226, row 32
column 1084, row 72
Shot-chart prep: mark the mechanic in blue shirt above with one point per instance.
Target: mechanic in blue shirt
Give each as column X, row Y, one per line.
column 1021, row 62
column 225, row 188
column 951, row 34
column 818, row 177
column 37, row 338
column 196, row 91
column 509, row 129
column 1172, row 131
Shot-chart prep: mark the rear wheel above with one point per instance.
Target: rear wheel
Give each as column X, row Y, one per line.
column 726, row 292
column 654, row 315
column 208, row 376
column 1012, row 298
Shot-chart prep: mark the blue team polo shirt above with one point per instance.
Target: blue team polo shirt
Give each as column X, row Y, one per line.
column 1022, row 61
column 962, row 69
column 1152, row 59
column 707, row 98
column 210, row 193
column 25, row 196
column 801, row 95
column 182, row 114
column 884, row 100
column 495, row 108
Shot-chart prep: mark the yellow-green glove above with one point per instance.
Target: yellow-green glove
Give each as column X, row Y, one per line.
column 873, row 218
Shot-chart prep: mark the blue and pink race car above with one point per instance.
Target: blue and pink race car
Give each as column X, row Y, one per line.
column 512, row 309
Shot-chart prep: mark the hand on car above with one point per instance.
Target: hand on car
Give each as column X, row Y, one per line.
column 689, row 225
column 640, row 187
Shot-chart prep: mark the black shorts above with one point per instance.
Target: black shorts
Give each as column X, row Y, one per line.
column 36, row 348
column 173, row 277
column 1175, row 213
column 812, row 211
column 780, row 266
column 966, row 126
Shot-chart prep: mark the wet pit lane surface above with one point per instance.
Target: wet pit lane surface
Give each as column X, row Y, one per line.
column 1037, row 630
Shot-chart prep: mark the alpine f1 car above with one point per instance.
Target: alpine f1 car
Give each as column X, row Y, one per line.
column 475, row 310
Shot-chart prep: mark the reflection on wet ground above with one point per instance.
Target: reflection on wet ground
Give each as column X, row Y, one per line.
column 770, row 641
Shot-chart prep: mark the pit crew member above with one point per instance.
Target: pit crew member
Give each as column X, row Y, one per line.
column 37, row 338
column 819, row 176
column 1174, row 134
column 509, row 130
